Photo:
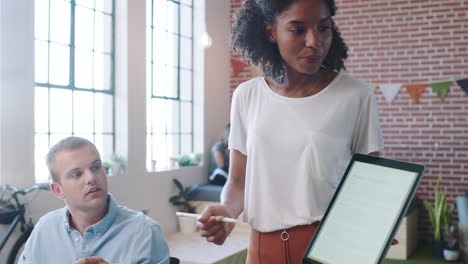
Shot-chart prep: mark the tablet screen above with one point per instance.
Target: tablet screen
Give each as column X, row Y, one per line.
column 364, row 212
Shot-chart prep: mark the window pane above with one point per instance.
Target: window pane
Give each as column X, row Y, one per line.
column 86, row 3
column 160, row 14
column 186, row 117
column 186, row 2
column 159, row 115
column 55, row 138
column 83, row 112
column 165, row 81
column 171, row 81
column 105, row 145
column 173, row 124
column 83, row 68
column 160, row 150
column 87, row 136
column 104, row 5
column 59, row 64
column 160, row 47
column 41, row 110
column 186, row 53
column 84, row 21
column 104, row 113
column 172, row 52
column 185, row 21
column 172, row 17
column 173, row 143
column 41, row 19
column 60, row 111
column 102, row 71
column 41, row 145
column 41, row 61
column 185, row 85
column 186, row 144
column 60, row 21
column 103, row 33
column 159, row 80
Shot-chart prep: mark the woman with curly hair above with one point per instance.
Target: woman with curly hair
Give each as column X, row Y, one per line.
column 294, row 130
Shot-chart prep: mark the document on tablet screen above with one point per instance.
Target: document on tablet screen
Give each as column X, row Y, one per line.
column 363, row 214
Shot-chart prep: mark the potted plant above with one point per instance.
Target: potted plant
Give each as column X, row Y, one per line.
column 439, row 215
column 182, row 201
column 192, row 159
column 107, row 165
column 118, row 164
column 451, row 250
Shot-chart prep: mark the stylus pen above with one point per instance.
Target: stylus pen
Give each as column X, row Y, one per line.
column 218, row 218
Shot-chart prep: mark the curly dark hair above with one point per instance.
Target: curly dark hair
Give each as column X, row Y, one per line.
column 249, row 37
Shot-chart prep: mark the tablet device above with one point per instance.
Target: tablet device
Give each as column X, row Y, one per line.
column 365, row 211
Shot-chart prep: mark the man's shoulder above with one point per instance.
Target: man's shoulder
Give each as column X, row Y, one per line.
column 135, row 218
column 57, row 215
column 218, row 146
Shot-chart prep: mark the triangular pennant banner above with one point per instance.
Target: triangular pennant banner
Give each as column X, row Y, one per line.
column 415, row 91
column 463, row 83
column 441, row 88
column 390, row 91
column 238, row 66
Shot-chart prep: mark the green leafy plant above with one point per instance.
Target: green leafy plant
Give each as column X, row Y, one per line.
column 182, row 199
column 185, row 160
column 439, row 213
column 107, row 165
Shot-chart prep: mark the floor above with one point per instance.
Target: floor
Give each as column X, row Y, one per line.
column 422, row 255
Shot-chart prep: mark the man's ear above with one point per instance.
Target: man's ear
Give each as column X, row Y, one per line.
column 57, row 190
column 271, row 32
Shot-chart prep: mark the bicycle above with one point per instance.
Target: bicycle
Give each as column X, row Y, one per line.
column 12, row 213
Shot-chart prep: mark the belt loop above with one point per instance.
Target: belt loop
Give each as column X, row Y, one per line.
column 284, row 235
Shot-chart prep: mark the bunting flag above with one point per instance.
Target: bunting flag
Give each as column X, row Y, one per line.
column 415, row 91
column 441, row 88
column 463, row 83
column 238, row 66
column 390, row 91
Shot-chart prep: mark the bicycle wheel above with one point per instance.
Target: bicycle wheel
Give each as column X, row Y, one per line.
column 17, row 248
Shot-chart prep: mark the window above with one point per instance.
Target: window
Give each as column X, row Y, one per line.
column 169, row 80
column 74, row 67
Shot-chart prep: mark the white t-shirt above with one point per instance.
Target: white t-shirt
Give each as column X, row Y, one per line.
column 298, row 148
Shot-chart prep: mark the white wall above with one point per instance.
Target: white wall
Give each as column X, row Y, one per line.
column 138, row 189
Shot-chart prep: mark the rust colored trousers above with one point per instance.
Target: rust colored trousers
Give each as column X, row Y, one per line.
column 280, row 247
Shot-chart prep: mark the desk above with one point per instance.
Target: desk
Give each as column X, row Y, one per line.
column 191, row 248
column 422, row 255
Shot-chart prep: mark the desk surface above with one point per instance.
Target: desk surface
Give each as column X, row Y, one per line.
column 422, row 255
column 191, row 248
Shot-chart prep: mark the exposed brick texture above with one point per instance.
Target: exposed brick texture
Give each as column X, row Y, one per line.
column 412, row 41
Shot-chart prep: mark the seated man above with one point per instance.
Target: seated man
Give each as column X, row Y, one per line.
column 92, row 228
column 219, row 159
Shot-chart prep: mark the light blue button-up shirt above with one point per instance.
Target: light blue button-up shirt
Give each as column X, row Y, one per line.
column 123, row 236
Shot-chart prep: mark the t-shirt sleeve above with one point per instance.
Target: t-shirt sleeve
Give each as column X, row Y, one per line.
column 367, row 136
column 238, row 135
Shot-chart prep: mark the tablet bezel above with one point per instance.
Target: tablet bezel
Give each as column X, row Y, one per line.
column 396, row 164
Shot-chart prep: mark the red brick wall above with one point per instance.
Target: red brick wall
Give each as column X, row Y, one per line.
column 413, row 41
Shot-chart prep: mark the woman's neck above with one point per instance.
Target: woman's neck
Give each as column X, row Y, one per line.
column 301, row 85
